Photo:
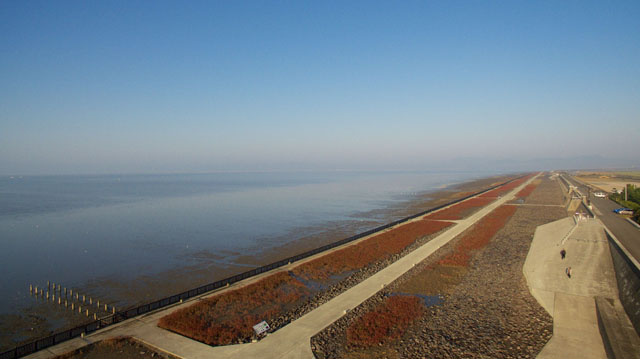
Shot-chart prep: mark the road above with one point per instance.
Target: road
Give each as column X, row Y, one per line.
column 627, row 233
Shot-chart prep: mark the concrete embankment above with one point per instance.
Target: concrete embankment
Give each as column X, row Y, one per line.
column 622, row 332
column 589, row 321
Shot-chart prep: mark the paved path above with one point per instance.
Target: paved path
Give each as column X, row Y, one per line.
column 570, row 301
column 292, row 341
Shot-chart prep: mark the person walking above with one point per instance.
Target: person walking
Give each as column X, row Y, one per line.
column 568, row 271
column 563, row 253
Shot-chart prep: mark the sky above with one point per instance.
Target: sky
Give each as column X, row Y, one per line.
column 92, row 87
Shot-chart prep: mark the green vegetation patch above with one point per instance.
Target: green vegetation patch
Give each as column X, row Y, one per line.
column 632, row 200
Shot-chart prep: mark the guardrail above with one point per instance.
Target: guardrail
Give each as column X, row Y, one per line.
column 120, row 316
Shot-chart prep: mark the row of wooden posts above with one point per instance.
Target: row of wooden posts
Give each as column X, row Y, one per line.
column 70, row 300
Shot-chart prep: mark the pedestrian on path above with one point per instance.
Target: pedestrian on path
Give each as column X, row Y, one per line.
column 563, row 253
column 568, row 271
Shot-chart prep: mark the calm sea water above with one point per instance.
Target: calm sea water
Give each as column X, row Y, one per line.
column 77, row 229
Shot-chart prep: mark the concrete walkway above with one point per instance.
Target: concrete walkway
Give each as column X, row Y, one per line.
column 570, row 301
column 291, row 341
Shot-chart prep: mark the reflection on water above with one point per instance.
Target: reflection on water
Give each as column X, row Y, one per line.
column 428, row 300
column 110, row 236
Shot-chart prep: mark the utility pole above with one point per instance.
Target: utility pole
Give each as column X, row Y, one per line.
column 626, row 191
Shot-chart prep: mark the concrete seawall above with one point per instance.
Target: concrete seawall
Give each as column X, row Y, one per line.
column 571, row 300
column 628, row 279
column 593, row 309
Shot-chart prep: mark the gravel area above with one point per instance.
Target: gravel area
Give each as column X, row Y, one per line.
column 548, row 192
column 487, row 310
column 336, row 289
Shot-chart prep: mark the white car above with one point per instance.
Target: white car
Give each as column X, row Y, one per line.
column 600, row 195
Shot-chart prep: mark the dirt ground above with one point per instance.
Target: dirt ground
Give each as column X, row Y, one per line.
column 609, row 180
column 608, row 184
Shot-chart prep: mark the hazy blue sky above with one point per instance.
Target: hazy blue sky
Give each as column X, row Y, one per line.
column 152, row 86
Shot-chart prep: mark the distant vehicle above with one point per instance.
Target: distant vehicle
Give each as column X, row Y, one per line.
column 600, row 194
column 623, row 210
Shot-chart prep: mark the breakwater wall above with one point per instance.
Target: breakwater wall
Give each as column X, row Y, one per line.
column 628, row 278
column 123, row 315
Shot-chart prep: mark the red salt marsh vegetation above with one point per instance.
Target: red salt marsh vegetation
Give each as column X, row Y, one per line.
column 391, row 319
column 368, row 251
column 460, row 210
column 230, row 316
column 507, row 187
column 478, row 236
column 386, row 322
column 525, row 192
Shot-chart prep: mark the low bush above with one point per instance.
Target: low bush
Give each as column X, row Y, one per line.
column 387, row 322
